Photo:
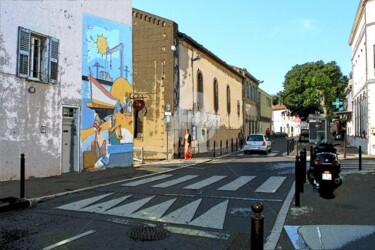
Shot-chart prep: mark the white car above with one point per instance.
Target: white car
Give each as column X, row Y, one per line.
column 257, row 143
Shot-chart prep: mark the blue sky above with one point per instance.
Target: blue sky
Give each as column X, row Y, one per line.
column 268, row 37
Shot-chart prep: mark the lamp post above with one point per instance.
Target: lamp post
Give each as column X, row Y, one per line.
column 193, row 59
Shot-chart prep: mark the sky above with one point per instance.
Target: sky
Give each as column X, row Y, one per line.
column 267, row 37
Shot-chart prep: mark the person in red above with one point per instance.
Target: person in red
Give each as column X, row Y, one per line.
column 268, row 133
column 187, row 145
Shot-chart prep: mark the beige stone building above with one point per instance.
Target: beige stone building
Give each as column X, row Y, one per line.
column 183, row 85
column 250, row 98
column 265, row 111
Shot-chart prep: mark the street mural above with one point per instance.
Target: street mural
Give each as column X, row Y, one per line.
column 106, row 134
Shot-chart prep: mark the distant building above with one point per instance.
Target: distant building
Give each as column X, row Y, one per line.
column 250, row 93
column 265, row 111
column 63, row 86
column 361, row 88
column 284, row 121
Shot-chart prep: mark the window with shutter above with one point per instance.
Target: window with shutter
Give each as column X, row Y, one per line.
column 23, row 52
column 37, row 56
column 53, row 56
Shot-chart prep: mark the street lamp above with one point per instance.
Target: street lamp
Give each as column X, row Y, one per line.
column 193, row 59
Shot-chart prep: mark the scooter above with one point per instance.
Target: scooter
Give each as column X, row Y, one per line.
column 324, row 169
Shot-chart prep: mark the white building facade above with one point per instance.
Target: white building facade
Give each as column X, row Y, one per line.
column 284, row 122
column 50, row 54
column 361, row 95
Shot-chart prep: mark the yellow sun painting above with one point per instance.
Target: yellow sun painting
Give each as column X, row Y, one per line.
column 102, row 44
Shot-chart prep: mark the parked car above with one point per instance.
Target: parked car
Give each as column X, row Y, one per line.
column 257, row 143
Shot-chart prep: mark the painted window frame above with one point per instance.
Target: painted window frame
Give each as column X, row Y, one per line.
column 37, row 56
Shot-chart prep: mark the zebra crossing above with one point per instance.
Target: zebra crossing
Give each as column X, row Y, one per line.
column 133, row 206
column 269, row 186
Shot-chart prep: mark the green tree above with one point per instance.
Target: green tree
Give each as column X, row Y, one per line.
column 312, row 87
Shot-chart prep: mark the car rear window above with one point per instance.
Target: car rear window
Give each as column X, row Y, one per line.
column 255, row 138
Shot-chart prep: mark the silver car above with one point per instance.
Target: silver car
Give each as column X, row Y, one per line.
column 257, row 143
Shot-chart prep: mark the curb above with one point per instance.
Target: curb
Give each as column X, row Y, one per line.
column 11, row 203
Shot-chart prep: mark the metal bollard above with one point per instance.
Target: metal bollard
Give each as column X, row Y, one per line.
column 22, row 177
column 305, row 166
column 214, row 148
column 302, row 170
column 287, row 147
column 360, row 157
column 297, row 183
column 257, row 222
column 221, row 147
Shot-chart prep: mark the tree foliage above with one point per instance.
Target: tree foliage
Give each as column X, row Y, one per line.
column 311, row 88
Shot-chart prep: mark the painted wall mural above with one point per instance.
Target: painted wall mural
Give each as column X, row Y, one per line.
column 106, row 134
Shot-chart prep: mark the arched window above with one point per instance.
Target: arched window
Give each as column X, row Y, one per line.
column 238, row 108
column 228, row 99
column 216, row 96
column 200, row 91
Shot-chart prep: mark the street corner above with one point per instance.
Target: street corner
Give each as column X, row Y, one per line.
column 330, row 236
column 8, row 204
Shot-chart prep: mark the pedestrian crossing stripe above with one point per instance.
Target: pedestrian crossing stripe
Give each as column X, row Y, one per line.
column 237, row 183
column 271, row 184
column 205, row 182
column 146, row 180
column 175, row 181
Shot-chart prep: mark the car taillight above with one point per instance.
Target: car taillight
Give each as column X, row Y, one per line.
column 335, row 163
column 318, row 163
column 264, row 143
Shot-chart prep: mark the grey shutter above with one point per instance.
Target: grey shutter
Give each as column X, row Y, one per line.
column 53, row 59
column 23, row 52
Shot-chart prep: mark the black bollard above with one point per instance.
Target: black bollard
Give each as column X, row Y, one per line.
column 360, row 157
column 297, row 183
column 179, row 148
column 287, row 147
column 257, row 222
column 22, row 177
column 221, row 147
column 231, row 145
column 214, row 148
column 302, row 170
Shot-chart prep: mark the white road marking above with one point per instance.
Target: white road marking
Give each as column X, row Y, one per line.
column 175, row 181
column 154, row 212
column 271, row 185
column 147, row 180
column 205, row 182
column 63, row 242
column 237, row 183
column 199, row 233
column 128, row 209
column 182, row 215
column 213, row 218
column 78, row 205
column 101, row 207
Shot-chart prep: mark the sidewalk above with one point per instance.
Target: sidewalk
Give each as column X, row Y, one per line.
column 345, row 222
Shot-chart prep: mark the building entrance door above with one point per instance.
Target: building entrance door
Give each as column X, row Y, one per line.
column 68, row 140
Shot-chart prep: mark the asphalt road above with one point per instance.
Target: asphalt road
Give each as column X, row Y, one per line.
column 206, row 206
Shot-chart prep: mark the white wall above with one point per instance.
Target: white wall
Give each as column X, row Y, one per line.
column 23, row 113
